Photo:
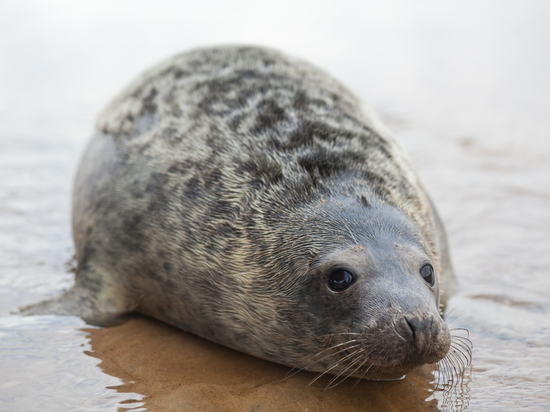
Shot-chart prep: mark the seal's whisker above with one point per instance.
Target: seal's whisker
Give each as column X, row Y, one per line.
column 451, row 372
column 460, row 362
column 460, row 329
column 363, row 374
column 443, row 375
column 367, row 369
column 463, row 344
column 462, row 338
column 333, row 354
column 462, row 341
column 365, row 359
column 455, row 360
column 334, row 347
column 449, row 313
column 334, row 366
column 294, row 371
column 446, row 370
column 373, row 370
column 464, row 350
column 441, row 371
column 335, row 378
column 459, row 356
column 341, row 334
column 453, row 366
column 317, row 377
column 459, row 365
column 451, row 321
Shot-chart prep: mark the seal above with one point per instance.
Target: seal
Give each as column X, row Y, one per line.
column 249, row 198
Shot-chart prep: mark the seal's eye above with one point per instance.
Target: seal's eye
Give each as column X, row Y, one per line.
column 427, row 272
column 339, row 280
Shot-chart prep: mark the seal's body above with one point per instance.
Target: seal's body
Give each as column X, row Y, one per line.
column 248, row 197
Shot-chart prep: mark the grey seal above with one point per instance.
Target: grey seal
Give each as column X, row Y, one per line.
column 249, row 198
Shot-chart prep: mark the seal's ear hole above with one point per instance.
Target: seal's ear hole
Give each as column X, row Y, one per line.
column 340, row 279
column 427, row 273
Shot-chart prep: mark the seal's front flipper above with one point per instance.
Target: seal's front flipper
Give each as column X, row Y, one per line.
column 77, row 302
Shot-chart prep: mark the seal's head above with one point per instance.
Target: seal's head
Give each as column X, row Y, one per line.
column 356, row 291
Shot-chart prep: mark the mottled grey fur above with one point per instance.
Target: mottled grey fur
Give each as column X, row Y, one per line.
column 221, row 189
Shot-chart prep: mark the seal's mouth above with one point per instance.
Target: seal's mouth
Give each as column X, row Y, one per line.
column 353, row 359
column 357, row 364
column 374, row 369
column 398, row 346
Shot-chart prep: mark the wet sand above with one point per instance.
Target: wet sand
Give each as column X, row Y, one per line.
column 178, row 371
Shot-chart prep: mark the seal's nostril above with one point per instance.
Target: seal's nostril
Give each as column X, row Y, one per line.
column 418, row 326
column 411, row 324
column 407, row 328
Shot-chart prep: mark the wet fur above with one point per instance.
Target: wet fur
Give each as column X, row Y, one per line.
column 217, row 180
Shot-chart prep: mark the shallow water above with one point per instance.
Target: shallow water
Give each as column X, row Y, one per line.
column 466, row 89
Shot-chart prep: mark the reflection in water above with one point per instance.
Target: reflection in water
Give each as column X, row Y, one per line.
column 455, row 397
column 173, row 368
column 457, row 361
column 453, row 373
